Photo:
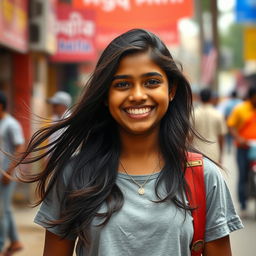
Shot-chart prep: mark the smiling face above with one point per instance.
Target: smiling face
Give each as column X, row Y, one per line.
column 139, row 95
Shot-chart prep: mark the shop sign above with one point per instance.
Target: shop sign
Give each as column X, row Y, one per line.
column 169, row 35
column 246, row 11
column 249, row 43
column 50, row 38
column 75, row 31
column 14, row 24
column 127, row 14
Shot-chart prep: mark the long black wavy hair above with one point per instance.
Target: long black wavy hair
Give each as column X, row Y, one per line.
column 90, row 141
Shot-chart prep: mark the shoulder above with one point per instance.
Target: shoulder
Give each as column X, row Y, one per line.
column 69, row 169
column 211, row 169
column 215, row 112
column 213, row 177
column 207, row 109
column 238, row 112
column 71, row 166
column 198, row 109
column 11, row 121
column 240, row 107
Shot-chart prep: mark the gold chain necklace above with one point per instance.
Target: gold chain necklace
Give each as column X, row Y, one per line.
column 141, row 189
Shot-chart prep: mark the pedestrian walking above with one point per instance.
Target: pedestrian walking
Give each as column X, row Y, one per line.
column 115, row 178
column 242, row 126
column 60, row 103
column 229, row 106
column 210, row 124
column 11, row 142
column 231, row 103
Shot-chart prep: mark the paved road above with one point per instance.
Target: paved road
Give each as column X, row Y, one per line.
column 243, row 241
column 31, row 234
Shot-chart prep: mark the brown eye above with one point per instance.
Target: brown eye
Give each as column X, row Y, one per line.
column 122, row 85
column 152, row 82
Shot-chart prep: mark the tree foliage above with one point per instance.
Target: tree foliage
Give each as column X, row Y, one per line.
column 206, row 5
column 233, row 39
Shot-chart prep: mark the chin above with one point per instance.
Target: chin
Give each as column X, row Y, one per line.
column 141, row 131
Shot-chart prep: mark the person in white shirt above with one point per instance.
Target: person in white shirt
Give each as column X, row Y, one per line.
column 210, row 124
column 60, row 103
column 11, row 142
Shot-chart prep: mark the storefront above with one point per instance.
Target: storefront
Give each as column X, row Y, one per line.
column 15, row 61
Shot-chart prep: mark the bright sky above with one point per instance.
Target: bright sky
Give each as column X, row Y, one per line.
column 226, row 5
column 227, row 16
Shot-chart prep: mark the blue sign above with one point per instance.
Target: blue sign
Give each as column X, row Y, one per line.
column 246, row 11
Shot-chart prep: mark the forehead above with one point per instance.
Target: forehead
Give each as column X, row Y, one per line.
column 138, row 63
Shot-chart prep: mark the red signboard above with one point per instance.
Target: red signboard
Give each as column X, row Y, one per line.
column 14, row 24
column 75, row 31
column 168, row 35
column 126, row 14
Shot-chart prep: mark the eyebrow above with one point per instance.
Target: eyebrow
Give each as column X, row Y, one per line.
column 144, row 75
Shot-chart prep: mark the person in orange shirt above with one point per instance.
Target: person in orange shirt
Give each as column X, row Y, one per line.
column 242, row 125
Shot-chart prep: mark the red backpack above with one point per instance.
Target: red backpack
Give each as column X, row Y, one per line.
column 194, row 176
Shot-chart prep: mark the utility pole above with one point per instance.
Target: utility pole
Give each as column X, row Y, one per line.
column 204, row 36
column 215, row 40
column 199, row 19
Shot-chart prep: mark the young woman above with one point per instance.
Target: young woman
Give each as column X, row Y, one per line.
column 115, row 178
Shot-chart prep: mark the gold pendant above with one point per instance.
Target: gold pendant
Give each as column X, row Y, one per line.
column 141, row 191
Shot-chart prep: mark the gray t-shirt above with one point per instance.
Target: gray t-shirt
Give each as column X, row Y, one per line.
column 145, row 228
column 11, row 135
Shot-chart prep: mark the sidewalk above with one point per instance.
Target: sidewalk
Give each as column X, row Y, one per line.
column 31, row 235
column 242, row 241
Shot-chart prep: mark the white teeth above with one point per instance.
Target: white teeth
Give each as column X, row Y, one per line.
column 138, row 111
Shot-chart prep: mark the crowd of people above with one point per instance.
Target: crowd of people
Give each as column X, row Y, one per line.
column 114, row 180
column 232, row 123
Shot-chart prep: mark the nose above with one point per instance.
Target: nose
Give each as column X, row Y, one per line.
column 138, row 93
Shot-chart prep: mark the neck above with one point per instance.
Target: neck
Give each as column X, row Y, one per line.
column 139, row 145
column 140, row 154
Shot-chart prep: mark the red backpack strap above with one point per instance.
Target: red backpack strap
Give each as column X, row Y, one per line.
column 194, row 176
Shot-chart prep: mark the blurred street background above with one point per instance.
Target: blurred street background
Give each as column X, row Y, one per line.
column 52, row 45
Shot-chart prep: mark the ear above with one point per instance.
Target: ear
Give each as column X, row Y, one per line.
column 172, row 92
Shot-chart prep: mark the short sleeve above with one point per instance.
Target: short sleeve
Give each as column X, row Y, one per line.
column 16, row 133
column 52, row 207
column 223, row 126
column 233, row 119
column 221, row 217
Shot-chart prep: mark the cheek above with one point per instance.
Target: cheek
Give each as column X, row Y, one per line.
column 113, row 106
column 165, row 101
column 164, row 107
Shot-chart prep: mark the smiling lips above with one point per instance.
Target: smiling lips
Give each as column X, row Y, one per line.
column 138, row 112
